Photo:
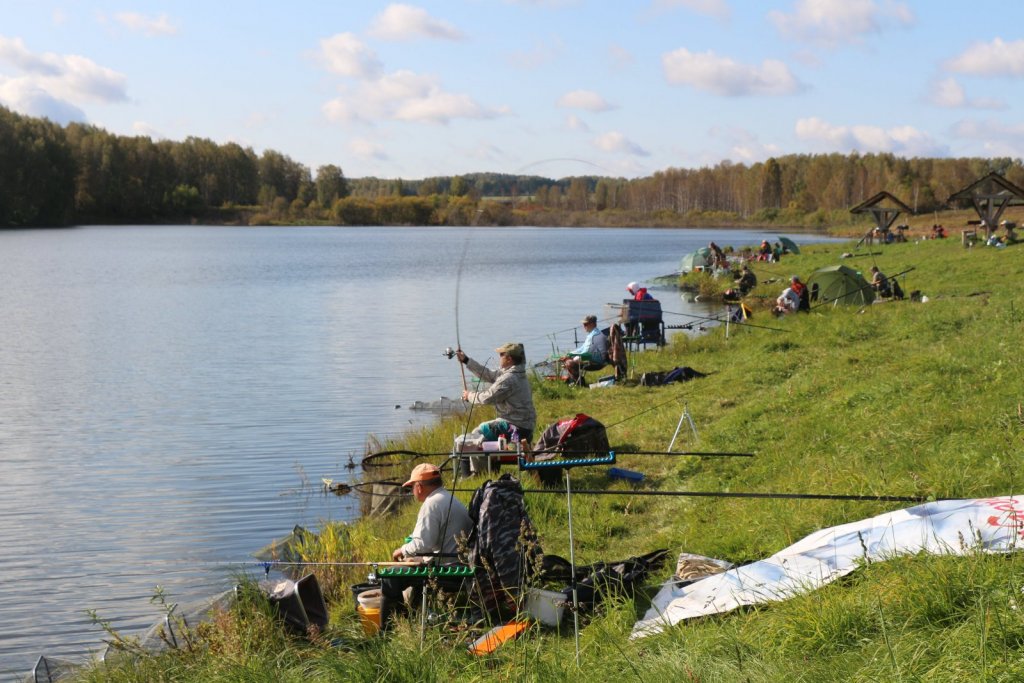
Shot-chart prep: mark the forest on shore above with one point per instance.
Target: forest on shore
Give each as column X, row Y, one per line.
column 53, row 175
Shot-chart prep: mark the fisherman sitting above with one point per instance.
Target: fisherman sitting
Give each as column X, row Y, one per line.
column 592, row 354
column 639, row 292
column 746, row 280
column 880, row 283
column 509, row 392
column 788, row 302
column 442, row 522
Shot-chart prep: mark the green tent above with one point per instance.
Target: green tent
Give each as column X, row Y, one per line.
column 839, row 285
column 698, row 260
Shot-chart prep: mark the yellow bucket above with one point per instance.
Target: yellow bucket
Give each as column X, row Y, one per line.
column 369, row 617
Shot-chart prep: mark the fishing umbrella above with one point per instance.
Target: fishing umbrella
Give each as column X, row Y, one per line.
column 790, row 245
column 700, row 258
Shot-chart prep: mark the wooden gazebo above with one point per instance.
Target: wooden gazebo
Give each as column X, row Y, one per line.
column 989, row 196
column 885, row 208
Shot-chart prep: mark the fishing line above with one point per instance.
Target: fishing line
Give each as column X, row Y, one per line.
column 545, row 161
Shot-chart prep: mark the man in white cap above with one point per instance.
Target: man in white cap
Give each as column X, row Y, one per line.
column 441, row 524
column 639, row 292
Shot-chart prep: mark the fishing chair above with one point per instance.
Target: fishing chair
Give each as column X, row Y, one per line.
column 643, row 322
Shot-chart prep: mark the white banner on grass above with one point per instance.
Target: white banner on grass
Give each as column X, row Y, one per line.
column 948, row 527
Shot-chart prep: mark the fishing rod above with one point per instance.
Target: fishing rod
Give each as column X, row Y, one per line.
column 458, row 287
column 706, row 318
column 730, row 494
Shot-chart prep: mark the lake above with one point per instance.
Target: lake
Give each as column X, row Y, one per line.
column 172, row 396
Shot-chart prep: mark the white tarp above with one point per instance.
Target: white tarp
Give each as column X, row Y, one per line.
column 949, row 527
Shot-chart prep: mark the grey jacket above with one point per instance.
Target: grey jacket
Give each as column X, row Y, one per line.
column 509, row 393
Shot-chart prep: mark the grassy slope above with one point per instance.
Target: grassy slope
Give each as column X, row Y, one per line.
column 899, row 398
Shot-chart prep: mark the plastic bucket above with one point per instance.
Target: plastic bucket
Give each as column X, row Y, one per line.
column 369, row 617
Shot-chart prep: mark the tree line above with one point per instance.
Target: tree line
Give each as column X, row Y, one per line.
column 52, row 175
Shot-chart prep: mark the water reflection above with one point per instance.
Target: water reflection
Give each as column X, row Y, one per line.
column 172, row 396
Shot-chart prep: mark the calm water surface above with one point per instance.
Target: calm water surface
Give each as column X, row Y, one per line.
column 170, row 397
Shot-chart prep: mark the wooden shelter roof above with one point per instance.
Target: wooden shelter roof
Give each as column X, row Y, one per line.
column 868, row 204
column 992, row 186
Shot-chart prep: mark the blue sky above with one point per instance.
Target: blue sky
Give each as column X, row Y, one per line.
column 547, row 87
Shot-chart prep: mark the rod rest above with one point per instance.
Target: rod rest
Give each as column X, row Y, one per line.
column 425, row 572
column 568, row 462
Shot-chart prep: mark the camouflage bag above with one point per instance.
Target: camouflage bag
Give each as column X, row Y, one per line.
column 503, row 545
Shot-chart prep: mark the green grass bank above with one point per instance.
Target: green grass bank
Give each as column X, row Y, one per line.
column 897, row 398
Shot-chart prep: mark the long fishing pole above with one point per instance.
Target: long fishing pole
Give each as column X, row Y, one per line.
column 458, row 288
column 720, row 320
column 730, row 494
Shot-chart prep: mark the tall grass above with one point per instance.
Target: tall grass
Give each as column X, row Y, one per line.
column 897, row 398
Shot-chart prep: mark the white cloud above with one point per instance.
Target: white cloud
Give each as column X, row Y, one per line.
column 613, row 141
column 948, row 93
column 440, row 107
column 573, row 122
column 365, row 149
column 723, row 76
column 345, row 54
column 405, row 96
column 997, row 58
column 831, row 23
column 718, row 9
column 584, row 99
column 55, row 85
column 14, row 52
column 902, row 140
column 997, row 139
column 21, row 95
column 151, row 26
column 744, row 145
column 619, row 57
column 406, row 22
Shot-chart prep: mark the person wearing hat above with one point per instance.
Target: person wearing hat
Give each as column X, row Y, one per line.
column 639, row 292
column 509, row 391
column 442, row 522
column 592, row 354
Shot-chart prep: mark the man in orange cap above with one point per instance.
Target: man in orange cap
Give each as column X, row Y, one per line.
column 441, row 523
column 441, row 520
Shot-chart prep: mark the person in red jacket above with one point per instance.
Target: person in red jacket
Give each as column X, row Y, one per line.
column 639, row 292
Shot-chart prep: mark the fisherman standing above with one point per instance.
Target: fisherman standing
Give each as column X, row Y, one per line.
column 510, row 388
column 440, row 524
